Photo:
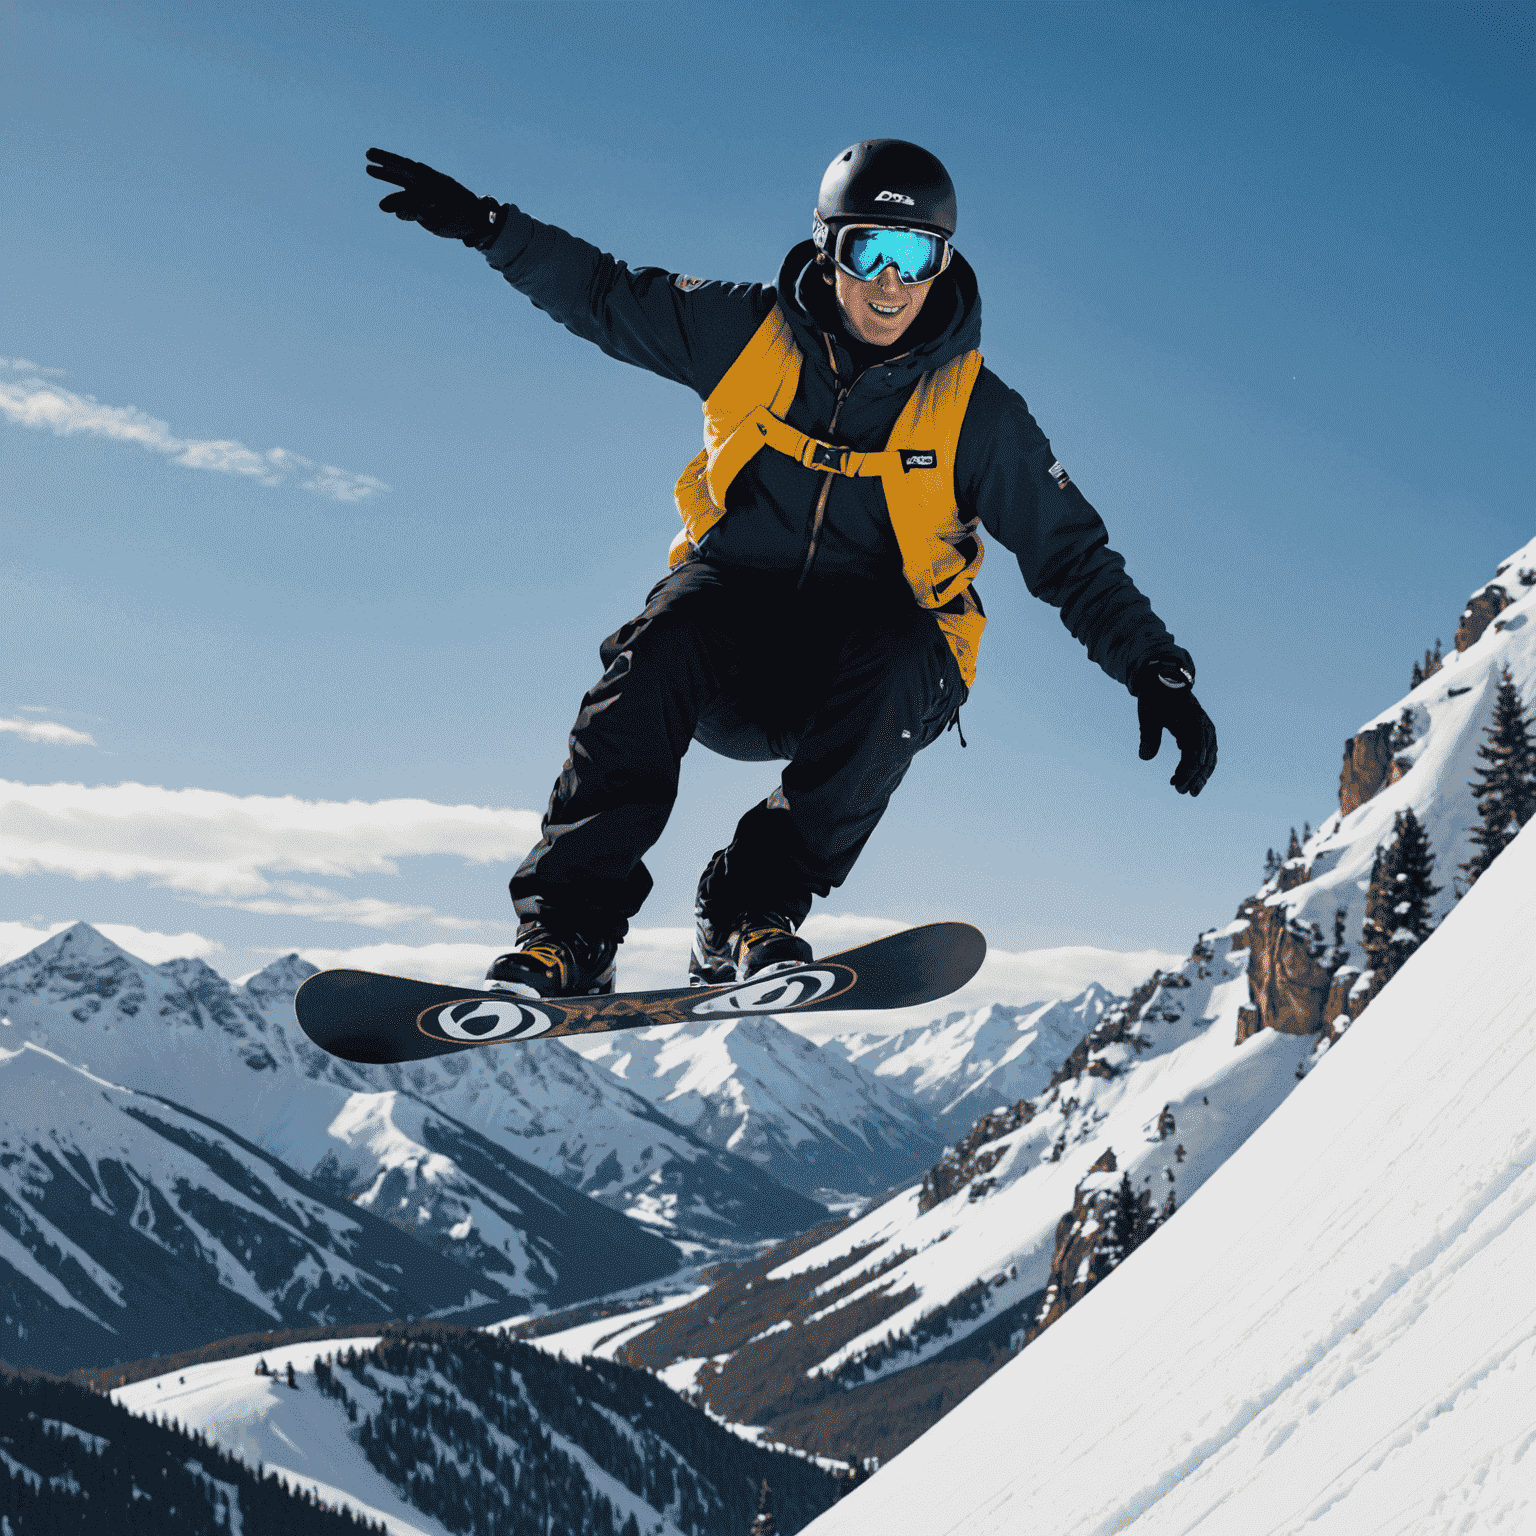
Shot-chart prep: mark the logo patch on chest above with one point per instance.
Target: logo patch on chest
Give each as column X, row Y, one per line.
column 918, row 458
column 688, row 284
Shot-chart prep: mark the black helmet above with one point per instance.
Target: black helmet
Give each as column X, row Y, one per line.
column 888, row 181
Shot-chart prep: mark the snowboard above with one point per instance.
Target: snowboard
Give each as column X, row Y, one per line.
column 365, row 1017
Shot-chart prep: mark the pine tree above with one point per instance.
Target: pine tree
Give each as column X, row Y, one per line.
column 1271, row 864
column 1397, row 902
column 1402, row 733
column 1506, row 793
column 1294, row 850
column 1133, row 1221
column 764, row 1525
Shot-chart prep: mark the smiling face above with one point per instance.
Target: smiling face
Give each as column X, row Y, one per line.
column 878, row 312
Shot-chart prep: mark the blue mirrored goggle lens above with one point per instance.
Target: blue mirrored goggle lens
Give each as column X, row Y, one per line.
column 916, row 255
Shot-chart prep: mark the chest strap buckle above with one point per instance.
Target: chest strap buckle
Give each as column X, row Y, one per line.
column 826, row 456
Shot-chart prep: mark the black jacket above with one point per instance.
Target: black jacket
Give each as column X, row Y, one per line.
column 692, row 332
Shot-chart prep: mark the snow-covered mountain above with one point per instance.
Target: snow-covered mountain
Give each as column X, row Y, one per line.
column 393, row 1137
column 1337, row 1335
column 800, row 1112
column 129, row 1226
column 131, row 1232
column 891, row 1319
column 474, row 1432
column 961, row 1066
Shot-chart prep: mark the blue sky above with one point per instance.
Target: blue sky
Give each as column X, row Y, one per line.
column 1262, row 273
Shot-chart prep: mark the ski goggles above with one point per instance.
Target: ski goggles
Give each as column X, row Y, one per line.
column 864, row 251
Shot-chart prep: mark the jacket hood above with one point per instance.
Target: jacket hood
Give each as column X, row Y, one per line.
column 949, row 325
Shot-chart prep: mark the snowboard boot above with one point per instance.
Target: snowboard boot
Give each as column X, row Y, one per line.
column 755, row 944
column 764, row 942
column 550, row 964
column 710, row 964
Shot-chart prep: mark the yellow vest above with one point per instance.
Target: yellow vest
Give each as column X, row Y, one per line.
column 940, row 552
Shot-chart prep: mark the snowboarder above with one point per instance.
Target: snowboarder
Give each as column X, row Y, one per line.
column 820, row 604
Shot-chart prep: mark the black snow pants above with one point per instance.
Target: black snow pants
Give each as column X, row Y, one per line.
column 847, row 684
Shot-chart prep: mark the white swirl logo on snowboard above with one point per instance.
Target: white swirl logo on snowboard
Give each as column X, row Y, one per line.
column 770, row 994
column 481, row 1018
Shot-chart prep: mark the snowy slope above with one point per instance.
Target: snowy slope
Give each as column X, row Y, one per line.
column 300, row 1435
column 812, row 1120
column 1338, row 1334
column 128, row 1226
column 477, row 1422
column 961, row 1066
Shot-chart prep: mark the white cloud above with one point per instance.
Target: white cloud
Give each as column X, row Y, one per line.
column 17, row 938
column 450, row 964
column 49, row 732
column 231, row 850
column 25, row 365
column 33, row 402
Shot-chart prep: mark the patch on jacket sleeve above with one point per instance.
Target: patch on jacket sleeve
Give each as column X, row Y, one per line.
column 1059, row 475
column 687, row 284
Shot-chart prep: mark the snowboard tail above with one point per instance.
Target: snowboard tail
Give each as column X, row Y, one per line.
column 366, row 1017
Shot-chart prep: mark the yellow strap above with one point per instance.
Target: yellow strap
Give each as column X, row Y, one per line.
column 830, row 458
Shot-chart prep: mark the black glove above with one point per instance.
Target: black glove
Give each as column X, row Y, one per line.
column 436, row 202
column 1165, row 700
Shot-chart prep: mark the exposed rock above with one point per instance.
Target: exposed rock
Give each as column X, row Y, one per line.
column 1481, row 610
column 1286, row 977
column 1338, row 993
column 966, row 1160
column 1249, row 1022
column 1089, row 1242
column 1292, row 873
column 1349, row 996
column 1115, row 1028
column 1367, row 758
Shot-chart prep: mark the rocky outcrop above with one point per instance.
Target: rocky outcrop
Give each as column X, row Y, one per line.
column 1367, row 762
column 1482, row 609
column 1106, row 1224
column 974, row 1155
column 1287, row 978
column 1082, row 1257
column 1349, row 994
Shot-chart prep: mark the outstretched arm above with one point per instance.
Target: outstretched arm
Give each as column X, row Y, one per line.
column 680, row 328
column 1007, row 475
